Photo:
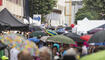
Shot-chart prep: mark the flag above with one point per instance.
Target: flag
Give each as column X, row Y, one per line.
column 0, row 2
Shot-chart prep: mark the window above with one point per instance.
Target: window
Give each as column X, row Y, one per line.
column 19, row 2
column 16, row 1
column 67, row 18
column 67, row 9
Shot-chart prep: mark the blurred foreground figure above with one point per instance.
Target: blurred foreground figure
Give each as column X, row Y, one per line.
column 84, row 50
column 70, row 55
column 4, row 58
column 24, row 55
column 45, row 53
column 13, row 54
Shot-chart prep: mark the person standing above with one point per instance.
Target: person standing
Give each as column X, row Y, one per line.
column 13, row 54
column 84, row 50
column 45, row 53
column 25, row 55
column 70, row 54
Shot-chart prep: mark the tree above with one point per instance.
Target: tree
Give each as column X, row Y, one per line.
column 93, row 9
column 42, row 7
column 97, row 5
column 81, row 16
column 82, row 13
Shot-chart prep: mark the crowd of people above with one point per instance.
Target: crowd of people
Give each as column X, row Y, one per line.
column 53, row 51
column 57, row 53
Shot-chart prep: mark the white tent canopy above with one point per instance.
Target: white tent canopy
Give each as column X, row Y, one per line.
column 26, row 21
column 86, row 25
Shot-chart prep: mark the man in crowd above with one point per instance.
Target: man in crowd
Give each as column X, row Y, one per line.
column 70, row 54
column 45, row 53
column 24, row 55
column 13, row 54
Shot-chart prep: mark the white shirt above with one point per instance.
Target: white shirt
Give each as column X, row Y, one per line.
column 14, row 54
column 84, row 50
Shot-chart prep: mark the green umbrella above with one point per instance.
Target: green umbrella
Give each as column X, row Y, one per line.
column 38, row 33
column 44, row 38
column 61, row 39
column 95, row 56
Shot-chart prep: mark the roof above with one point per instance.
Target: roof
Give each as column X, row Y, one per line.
column 6, row 18
column 87, row 25
column 99, row 28
column 3, row 23
column 102, row 26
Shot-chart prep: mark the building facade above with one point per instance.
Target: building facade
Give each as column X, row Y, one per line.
column 56, row 18
column 76, row 5
column 68, row 8
column 14, row 6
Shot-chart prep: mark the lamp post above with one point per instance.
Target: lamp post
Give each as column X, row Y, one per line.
column 25, row 9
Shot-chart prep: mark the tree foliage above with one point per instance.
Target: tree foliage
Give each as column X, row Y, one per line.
column 97, row 5
column 41, row 6
column 92, row 9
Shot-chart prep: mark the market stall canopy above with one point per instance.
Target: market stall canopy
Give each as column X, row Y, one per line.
column 3, row 26
column 86, row 25
column 6, row 18
column 3, row 23
column 100, row 28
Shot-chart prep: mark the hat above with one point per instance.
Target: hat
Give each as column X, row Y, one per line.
column 57, row 45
